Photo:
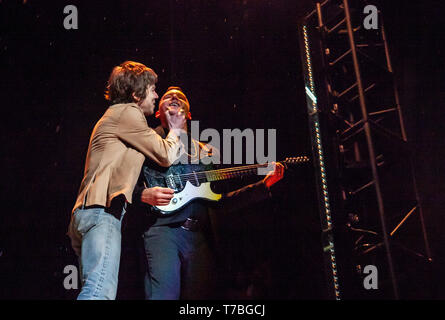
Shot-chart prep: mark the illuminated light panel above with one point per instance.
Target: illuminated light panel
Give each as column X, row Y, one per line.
column 311, row 95
column 310, row 92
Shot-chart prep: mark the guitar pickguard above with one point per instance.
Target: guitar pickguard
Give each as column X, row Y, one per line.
column 189, row 193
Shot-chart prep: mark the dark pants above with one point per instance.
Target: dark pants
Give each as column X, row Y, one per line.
column 180, row 264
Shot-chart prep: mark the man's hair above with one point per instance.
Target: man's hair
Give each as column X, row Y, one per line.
column 127, row 78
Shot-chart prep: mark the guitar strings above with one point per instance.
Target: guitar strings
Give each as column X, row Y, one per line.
column 201, row 175
column 217, row 173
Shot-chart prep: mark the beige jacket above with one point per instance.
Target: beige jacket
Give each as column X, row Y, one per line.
column 119, row 143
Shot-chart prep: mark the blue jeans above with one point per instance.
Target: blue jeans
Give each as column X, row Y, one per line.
column 96, row 239
column 180, row 264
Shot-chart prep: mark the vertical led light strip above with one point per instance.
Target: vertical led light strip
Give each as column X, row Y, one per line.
column 313, row 113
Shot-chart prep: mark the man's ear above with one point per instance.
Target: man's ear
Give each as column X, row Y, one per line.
column 135, row 98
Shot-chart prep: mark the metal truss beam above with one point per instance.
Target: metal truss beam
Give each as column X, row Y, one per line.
column 355, row 114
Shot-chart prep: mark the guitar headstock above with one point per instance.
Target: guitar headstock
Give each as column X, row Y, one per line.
column 295, row 160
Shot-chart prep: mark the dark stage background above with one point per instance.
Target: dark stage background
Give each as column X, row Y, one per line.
column 239, row 64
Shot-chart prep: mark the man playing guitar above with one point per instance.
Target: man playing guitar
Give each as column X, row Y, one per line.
column 177, row 245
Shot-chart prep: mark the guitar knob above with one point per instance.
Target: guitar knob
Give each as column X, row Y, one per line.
column 174, row 200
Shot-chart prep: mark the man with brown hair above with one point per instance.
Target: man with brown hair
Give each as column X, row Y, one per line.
column 119, row 143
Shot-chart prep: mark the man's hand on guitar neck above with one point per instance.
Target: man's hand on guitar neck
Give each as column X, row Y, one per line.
column 157, row 196
column 274, row 176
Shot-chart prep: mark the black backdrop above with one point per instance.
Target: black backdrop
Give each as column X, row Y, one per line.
column 239, row 64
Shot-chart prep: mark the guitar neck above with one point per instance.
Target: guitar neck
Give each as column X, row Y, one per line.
column 221, row 174
column 230, row 173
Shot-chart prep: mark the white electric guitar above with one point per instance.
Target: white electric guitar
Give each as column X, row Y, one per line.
column 190, row 182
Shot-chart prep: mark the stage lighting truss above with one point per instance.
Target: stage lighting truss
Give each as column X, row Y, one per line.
column 354, row 108
column 317, row 146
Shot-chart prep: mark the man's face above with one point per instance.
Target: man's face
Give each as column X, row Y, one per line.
column 148, row 104
column 174, row 101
